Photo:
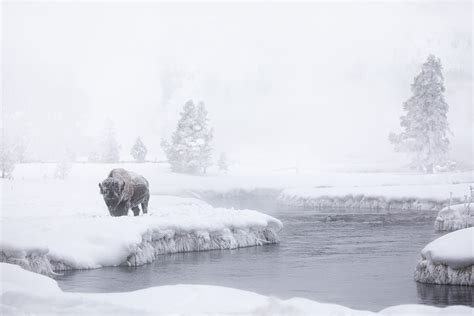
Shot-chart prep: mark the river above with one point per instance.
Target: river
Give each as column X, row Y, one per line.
column 362, row 259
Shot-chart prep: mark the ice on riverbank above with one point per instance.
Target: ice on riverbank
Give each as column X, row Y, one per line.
column 50, row 243
column 448, row 259
column 400, row 197
column 24, row 292
column 455, row 217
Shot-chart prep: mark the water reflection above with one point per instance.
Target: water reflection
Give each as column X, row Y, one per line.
column 443, row 295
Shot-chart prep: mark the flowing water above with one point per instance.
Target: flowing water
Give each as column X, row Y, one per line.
column 360, row 259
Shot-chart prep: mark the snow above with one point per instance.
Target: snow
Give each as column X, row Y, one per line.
column 455, row 217
column 448, row 259
column 247, row 178
column 83, row 241
column 24, row 292
column 406, row 197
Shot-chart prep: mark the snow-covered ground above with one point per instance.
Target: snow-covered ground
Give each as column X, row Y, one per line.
column 309, row 187
column 24, row 292
column 455, row 217
column 448, row 259
column 49, row 224
column 249, row 178
column 66, row 240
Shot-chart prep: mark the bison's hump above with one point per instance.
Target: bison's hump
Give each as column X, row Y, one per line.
column 120, row 173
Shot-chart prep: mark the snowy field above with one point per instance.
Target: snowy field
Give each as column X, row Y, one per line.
column 250, row 178
column 24, row 292
column 448, row 259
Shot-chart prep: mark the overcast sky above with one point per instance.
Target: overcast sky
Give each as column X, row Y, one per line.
column 282, row 82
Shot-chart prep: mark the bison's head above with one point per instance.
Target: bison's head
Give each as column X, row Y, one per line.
column 111, row 189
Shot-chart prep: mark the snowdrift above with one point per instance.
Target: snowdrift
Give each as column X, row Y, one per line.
column 455, row 217
column 400, row 197
column 24, row 292
column 47, row 244
column 448, row 259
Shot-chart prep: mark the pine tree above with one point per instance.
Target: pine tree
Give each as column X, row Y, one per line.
column 190, row 148
column 222, row 163
column 425, row 124
column 139, row 150
column 7, row 156
column 109, row 147
column 204, row 138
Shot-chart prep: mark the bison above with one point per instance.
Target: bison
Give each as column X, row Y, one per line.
column 124, row 190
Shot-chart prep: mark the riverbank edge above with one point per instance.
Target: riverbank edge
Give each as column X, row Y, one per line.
column 428, row 272
column 41, row 261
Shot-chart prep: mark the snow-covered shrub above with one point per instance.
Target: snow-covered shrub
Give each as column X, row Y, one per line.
column 190, row 148
column 448, row 259
column 139, row 150
column 455, row 217
column 425, row 124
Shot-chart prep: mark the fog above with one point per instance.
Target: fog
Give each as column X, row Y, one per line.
column 308, row 83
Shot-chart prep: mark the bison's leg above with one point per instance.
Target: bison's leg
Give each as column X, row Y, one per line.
column 136, row 211
column 145, row 204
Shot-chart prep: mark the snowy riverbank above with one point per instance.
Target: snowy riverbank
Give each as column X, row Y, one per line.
column 23, row 292
column 400, row 197
column 455, row 217
column 448, row 259
column 45, row 243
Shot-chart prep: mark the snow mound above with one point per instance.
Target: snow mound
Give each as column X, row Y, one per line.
column 448, row 259
column 24, row 292
column 400, row 197
column 455, row 217
column 47, row 244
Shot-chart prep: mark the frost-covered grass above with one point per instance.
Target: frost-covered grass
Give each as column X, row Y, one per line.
column 23, row 292
column 448, row 259
column 455, row 217
column 404, row 197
